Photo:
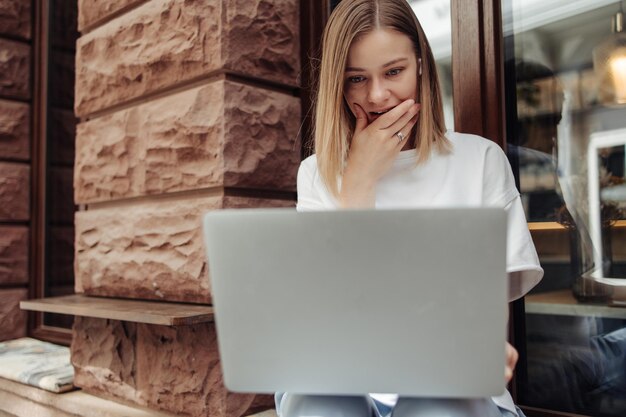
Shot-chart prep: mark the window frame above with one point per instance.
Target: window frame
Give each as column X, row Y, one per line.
column 38, row 235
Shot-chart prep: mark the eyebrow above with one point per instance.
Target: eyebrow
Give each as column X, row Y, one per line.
column 392, row 62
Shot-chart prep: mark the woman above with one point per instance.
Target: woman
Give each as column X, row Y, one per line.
column 380, row 142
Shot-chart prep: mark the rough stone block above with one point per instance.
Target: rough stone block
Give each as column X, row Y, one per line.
column 223, row 133
column 262, row 39
column 14, row 69
column 61, row 93
column 90, row 12
column 12, row 319
column 167, row 145
column 151, row 251
column 14, row 130
column 15, row 18
column 61, row 206
column 163, row 43
column 14, row 191
column 62, row 135
column 174, row 369
column 261, row 147
column 13, row 255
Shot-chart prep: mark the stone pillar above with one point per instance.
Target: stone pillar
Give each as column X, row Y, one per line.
column 15, row 108
column 185, row 106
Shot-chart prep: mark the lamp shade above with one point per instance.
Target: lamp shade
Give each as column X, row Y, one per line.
column 609, row 63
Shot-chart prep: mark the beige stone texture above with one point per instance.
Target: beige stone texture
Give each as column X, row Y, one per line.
column 173, row 369
column 171, row 144
column 14, row 69
column 61, row 136
column 163, row 43
column 14, row 191
column 262, row 39
column 12, row 319
column 14, row 130
column 15, row 18
column 261, row 146
column 90, row 12
column 223, row 133
column 13, row 255
column 152, row 250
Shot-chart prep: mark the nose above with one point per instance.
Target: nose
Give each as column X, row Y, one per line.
column 377, row 91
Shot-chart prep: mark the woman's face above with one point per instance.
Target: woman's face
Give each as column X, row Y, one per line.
column 381, row 72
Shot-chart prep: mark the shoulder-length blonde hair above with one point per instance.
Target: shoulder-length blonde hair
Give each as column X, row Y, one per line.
column 333, row 121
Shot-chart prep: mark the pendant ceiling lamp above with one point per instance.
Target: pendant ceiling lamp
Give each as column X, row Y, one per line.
column 609, row 62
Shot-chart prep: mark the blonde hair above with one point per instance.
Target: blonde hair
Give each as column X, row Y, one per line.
column 333, row 121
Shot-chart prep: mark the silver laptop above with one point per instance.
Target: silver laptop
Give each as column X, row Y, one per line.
column 356, row 301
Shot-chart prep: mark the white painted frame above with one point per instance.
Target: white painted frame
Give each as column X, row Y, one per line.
column 600, row 140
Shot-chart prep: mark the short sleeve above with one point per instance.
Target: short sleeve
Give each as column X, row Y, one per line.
column 499, row 190
column 498, row 180
column 522, row 262
column 312, row 194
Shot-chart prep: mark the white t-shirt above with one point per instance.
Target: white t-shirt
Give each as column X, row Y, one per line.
column 475, row 173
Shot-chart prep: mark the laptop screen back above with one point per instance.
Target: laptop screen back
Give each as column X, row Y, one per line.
column 355, row 301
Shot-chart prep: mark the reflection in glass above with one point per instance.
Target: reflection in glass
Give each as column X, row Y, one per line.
column 567, row 133
column 609, row 62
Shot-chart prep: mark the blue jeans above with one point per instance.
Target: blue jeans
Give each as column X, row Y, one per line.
column 299, row 405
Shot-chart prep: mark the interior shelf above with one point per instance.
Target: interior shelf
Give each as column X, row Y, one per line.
column 563, row 303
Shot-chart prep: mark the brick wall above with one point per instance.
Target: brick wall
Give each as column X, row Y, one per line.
column 15, row 154
column 185, row 106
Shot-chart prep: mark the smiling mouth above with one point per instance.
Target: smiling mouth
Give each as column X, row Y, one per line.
column 378, row 113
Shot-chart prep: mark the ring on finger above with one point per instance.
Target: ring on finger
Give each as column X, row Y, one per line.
column 400, row 136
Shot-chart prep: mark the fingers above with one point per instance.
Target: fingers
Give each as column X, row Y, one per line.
column 405, row 131
column 508, row 374
column 387, row 120
column 361, row 119
column 403, row 117
column 398, row 121
column 511, row 360
column 407, row 120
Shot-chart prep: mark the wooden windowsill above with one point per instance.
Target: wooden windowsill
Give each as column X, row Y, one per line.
column 139, row 311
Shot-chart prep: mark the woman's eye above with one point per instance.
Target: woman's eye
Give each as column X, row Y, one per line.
column 355, row 79
column 394, row 71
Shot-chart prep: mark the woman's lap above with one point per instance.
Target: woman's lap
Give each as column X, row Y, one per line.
column 298, row 405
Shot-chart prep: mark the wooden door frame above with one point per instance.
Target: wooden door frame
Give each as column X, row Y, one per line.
column 478, row 84
column 479, row 104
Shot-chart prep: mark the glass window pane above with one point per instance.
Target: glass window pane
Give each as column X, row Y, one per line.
column 566, row 132
column 435, row 18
